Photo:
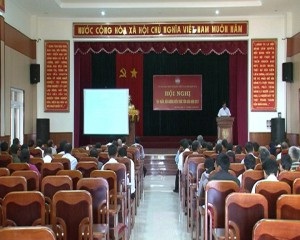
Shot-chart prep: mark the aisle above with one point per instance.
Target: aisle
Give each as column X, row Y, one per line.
column 159, row 215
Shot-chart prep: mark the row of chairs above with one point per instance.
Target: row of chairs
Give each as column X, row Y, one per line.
column 231, row 214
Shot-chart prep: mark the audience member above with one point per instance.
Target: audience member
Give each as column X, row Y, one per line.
column 68, row 155
column 94, row 152
column 47, row 155
column 179, row 151
column 222, row 167
column 39, row 145
column 224, row 145
column 138, row 144
column 294, row 153
column 270, row 169
column 285, row 163
column 4, row 147
column 14, row 153
column 51, row 145
column 122, row 152
column 218, row 148
column 16, row 141
column 284, row 150
column 264, row 154
column 248, row 149
column 30, row 143
column 24, row 158
column 112, row 154
column 200, row 140
column 249, row 164
column 61, row 147
column 209, row 166
column 238, row 149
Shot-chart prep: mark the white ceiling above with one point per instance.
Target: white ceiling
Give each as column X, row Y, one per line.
column 148, row 9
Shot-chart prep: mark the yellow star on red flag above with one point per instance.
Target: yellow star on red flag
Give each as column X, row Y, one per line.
column 133, row 73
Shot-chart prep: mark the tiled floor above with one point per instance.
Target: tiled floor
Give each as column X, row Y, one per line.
column 159, row 216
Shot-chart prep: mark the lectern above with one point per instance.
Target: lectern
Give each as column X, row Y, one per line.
column 225, row 128
column 133, row 118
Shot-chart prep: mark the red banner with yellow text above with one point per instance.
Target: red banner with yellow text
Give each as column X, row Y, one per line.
column 177, row 92
column 129, row 74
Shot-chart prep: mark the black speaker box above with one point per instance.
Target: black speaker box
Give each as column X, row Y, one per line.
column 277, row 130
column 287, row 72
column 43, row 129
column 34, row 73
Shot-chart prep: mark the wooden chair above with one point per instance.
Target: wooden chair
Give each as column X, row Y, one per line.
column 23, row 208
column 272, row 190
column 51, row 168
column 103, row 157
column 288, row 207
column 86, row 168
column 27, row 233
column 258, row 166
column 72, row 215
column 242, row 211
column 65, row 162
column 5, row 159
column 52, row 184
column 99, row 189
column 57, row 155
column 296, row 186
column 10, row 184
column 239, row 157
column 4, row 171
column 75, row 175
column 192, row 164
column 200, row 200
column 249, row 178
column 238, row 168
column 36, row 152
column 117, row 229
column 216, row 192
column 273, row 229
column 79, row 155
column 88, row 159
column 37, row 161
column 32, row 178
column 17, row 166
column 289, row 177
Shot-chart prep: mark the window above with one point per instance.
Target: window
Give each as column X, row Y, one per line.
column 17, row 114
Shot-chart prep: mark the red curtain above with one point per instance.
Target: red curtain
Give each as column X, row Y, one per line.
column 129, row 74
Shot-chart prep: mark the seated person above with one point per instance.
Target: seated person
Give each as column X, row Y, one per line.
column 249, row 164
column 285, row 163
column 270, row 169
column 95, row 153
column 209, row 165
column 222, row 167
column 68, row 155
column 24, row 158
column 14, row 153
column 47, row 155
column 4, row 148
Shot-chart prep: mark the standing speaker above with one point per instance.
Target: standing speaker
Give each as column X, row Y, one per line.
column 277, row 130
column 43, row 129
column 287, row 72
column 34, row 73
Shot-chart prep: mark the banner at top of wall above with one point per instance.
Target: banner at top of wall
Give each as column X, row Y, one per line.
column 187, row 29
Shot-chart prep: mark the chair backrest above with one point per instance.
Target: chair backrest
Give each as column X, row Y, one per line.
column 99, row 189
column 23, row 208
column 65, row 162
column 54, row 183
column 4, row 171
column 242, row 211
column 72, row 211
column 273, row 229
column 51, row 168
column 258, row 166
column 17, row 166
column 111, row 179
column 249, row 178
column 32, row 177
column 35, row 152
column 135, row 153
column 216, row 192
column 27, row 233
column 88, row 159
column 120, row 170
column 272, row 190
column 288, row 207
column 296, row 186
column 79, row 155
column 126, row 162
column 57, row 155
column 12, row 183
column 192, row 164
column 75, row 175
column 239, row 157
column 289, row 176
column 103, row 157
column 37, row 161
column 5, row 159
column 86, row 168
column 238, row 168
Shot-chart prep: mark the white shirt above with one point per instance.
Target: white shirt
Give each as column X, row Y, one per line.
column 271, row 177
column 180, row 159
column 47, row 159
column 224, row 112
column 73, row 160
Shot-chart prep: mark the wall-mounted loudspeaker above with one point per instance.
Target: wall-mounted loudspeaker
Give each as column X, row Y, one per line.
column 34, row 73
column 287, row 72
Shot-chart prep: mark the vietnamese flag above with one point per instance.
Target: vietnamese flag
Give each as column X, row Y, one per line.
column 129, row 74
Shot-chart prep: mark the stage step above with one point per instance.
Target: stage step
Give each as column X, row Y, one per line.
column 163, row 164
